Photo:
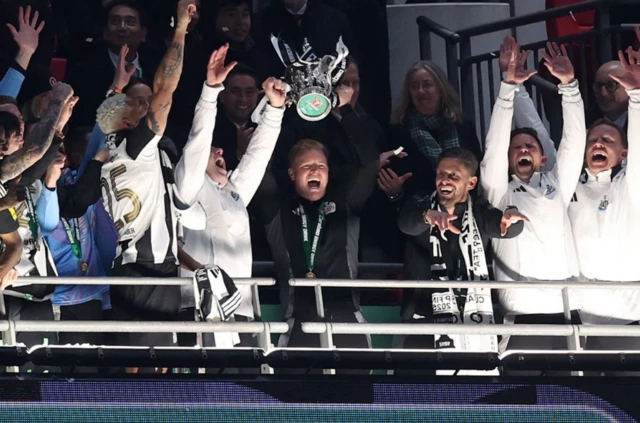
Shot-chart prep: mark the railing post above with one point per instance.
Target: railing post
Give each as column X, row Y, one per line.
column 452, row 63
column 264, row 342
column 467, row 91
column 326, row 338
column 424, row 40
column 604, row 32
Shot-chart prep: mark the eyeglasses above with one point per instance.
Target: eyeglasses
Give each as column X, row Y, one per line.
column 610, row 86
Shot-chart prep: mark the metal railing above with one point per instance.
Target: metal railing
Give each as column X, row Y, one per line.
column 587, row 50
column 326, row 330
column 570, row 331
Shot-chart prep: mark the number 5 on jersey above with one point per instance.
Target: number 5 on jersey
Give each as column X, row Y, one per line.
column 120, row 194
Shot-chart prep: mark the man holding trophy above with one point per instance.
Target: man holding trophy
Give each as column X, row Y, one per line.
column 313, row 231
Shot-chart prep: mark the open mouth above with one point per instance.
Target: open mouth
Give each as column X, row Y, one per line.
column 446, row 190
column 314, row 183
column 599, row 157
column 525, row 162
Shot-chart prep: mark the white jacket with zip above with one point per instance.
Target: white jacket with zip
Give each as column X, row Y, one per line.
column 545, row 250
column 605, row 216
column 226, row 241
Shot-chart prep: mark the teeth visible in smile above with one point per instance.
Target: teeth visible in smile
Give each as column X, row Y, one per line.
column 446, row 190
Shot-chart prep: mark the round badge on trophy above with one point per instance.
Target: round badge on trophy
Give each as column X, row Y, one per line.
column 313, row 106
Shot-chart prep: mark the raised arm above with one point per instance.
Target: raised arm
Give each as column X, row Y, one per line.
column 191, row 169
column 525, row 114
column 40, row 137
column 494, row 169
column 166, row 79
column 631, row 82
column 47, row 209
column 26, row 36
column 251, row 169
column 574, row 132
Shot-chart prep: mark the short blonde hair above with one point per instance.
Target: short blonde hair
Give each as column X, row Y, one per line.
column 450, row 108
column 110, row 114
column 305, row 145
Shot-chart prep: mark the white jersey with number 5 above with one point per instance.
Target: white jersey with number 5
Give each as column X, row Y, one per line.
column 136, row 197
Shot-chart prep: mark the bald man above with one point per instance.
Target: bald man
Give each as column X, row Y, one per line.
column 611, row 97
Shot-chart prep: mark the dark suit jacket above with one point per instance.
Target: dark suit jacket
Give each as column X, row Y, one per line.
column 92, row 78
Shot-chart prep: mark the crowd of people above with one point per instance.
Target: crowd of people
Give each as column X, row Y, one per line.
column 146, row 165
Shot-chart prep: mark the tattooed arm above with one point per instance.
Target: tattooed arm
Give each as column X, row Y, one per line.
column 40, row 137
column 165, row 83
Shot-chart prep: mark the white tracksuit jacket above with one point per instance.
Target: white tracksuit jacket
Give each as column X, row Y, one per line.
column 605, row 216
column 545, row 250
column 226, row 241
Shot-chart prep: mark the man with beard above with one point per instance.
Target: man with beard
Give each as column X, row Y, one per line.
column 511, row 176
column 449, row 234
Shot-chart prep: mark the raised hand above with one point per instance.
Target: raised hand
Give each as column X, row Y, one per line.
column 390, row 183
column 385, row 158
column 186, row 11
column 508, row 45
column 442, row 220
column 630, row 80
column 275, row 90
column 509, row 217
column 516, row 73
column 345, row 94
column 54, row 171
column 62, row 91
column 216, row 70
column 124, row 71
column 558, row 63
column 67, row 111
column 27, row 35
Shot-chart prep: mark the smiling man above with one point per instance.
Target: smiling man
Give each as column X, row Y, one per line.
column 444, row 229
column 512, row 175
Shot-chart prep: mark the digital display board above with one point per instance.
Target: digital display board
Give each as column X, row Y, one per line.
column 318, row 399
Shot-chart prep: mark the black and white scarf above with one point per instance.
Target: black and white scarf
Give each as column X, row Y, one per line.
column 477, row 307
column 217, row 298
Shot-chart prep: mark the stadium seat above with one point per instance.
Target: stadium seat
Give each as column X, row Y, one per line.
column 58, row 68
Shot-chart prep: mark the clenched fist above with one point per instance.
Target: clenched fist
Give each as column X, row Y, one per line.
column 275, row 90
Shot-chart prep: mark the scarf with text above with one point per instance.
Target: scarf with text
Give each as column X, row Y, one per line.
column 462, row 306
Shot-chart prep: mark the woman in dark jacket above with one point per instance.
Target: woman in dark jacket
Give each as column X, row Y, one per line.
column 427, row 121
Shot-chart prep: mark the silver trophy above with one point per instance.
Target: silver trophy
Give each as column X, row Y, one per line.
column 311, row 79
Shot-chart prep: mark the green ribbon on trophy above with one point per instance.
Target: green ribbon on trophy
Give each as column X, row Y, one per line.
column 311, row 79
column 311, row 247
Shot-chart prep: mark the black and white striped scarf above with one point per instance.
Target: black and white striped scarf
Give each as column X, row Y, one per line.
column 473, row 306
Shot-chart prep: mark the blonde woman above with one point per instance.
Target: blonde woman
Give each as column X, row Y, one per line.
column 428, row 120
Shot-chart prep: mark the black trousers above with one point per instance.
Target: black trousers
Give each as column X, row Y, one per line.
column 89, row 311
column 416, row 342
column 334, row 313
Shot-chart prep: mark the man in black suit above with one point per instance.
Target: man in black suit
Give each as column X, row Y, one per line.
column 125, row 24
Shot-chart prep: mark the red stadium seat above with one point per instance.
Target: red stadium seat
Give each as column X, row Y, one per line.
column 58, row 68
column 565, row 26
